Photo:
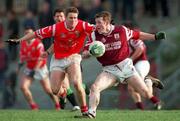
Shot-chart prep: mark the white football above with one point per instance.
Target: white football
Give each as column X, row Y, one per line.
column 97, row 48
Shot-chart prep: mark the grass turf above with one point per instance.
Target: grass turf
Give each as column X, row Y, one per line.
column 102, row 115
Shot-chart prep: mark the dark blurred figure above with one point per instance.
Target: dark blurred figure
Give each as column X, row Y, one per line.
column 128, row 10
column 13, row 32
column 1, row 30
column 9, row 93
column 78, row 4
column 33, row 6
column 46, row 19
column 164, row 8
column 29, row 21
column 151, row 7
column 3, row 64
column 96, row 7
column 9, row 5
column 115, row 7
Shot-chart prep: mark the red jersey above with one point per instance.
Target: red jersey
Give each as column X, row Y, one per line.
column 30, row 53
column 66, row 42
column 133, row 44
column 116, row 44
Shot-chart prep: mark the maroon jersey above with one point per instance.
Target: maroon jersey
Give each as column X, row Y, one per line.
column 133, row 44
column 116, row 44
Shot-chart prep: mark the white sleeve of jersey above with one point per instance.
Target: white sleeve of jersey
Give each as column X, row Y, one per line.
column 136, row 43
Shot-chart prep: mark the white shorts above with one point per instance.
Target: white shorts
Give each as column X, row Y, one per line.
column 62, row 64
column 122, row 70
column 142, row 67
column 40, row 74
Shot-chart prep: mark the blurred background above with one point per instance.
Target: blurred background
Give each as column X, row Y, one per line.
column 150, row 15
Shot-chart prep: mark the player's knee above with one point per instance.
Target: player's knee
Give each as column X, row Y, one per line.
column 55, row 91
column 23, row 88
column 131, row 90
column 94, row 88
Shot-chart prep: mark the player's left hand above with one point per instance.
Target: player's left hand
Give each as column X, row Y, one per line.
column 160, row 35
column 14, row 41
column 44, row 55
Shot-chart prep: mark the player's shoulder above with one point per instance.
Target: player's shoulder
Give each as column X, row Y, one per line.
column 119, row 28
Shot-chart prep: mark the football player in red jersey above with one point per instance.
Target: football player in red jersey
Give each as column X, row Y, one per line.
column 59, row 16
column 36, row 68
column 117, row 67
column 69, row 37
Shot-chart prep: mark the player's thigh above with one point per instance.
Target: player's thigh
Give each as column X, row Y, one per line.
column 25, row 81
column 66, row 83
column 56, row 78
column 103, row 81
column 142, row 67
column 45, row 84
column 74, row 73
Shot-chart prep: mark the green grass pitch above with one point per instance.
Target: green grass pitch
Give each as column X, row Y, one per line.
column 102, row 115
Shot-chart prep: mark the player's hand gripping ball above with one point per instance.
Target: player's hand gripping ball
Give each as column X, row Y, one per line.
column 97, row 48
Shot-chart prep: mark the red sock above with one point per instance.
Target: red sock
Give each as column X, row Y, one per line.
column 84, row 109
column 57, row 106
column 140, row 105
column 63, row 95
column 34, row 106
column 154, row 99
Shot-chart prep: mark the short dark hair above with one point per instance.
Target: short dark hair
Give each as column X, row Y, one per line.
column 71, row 10
column 105, row 15
column 57, row 10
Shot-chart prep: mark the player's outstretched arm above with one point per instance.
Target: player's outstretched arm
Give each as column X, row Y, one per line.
column 147, row 36
column 25, row 37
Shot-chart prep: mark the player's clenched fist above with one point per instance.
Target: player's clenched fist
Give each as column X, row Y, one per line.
column 160, row 35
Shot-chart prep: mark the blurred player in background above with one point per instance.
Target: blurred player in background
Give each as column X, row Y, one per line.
column 142, row 66
column 69, row 37
column 35, row 69
column 117, row 67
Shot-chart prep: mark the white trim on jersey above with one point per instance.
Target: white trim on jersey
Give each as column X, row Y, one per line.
column 93, row 37
column 84, row 27
column 128, row 32
column 136, row 43
column 53, row 29
column 39, row 34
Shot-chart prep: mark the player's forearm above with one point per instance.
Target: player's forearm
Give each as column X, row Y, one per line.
column 28, row 36
column 137, row 53
column 50, row 49
column 146, row 36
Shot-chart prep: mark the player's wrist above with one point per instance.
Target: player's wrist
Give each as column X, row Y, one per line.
column 48, row 52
